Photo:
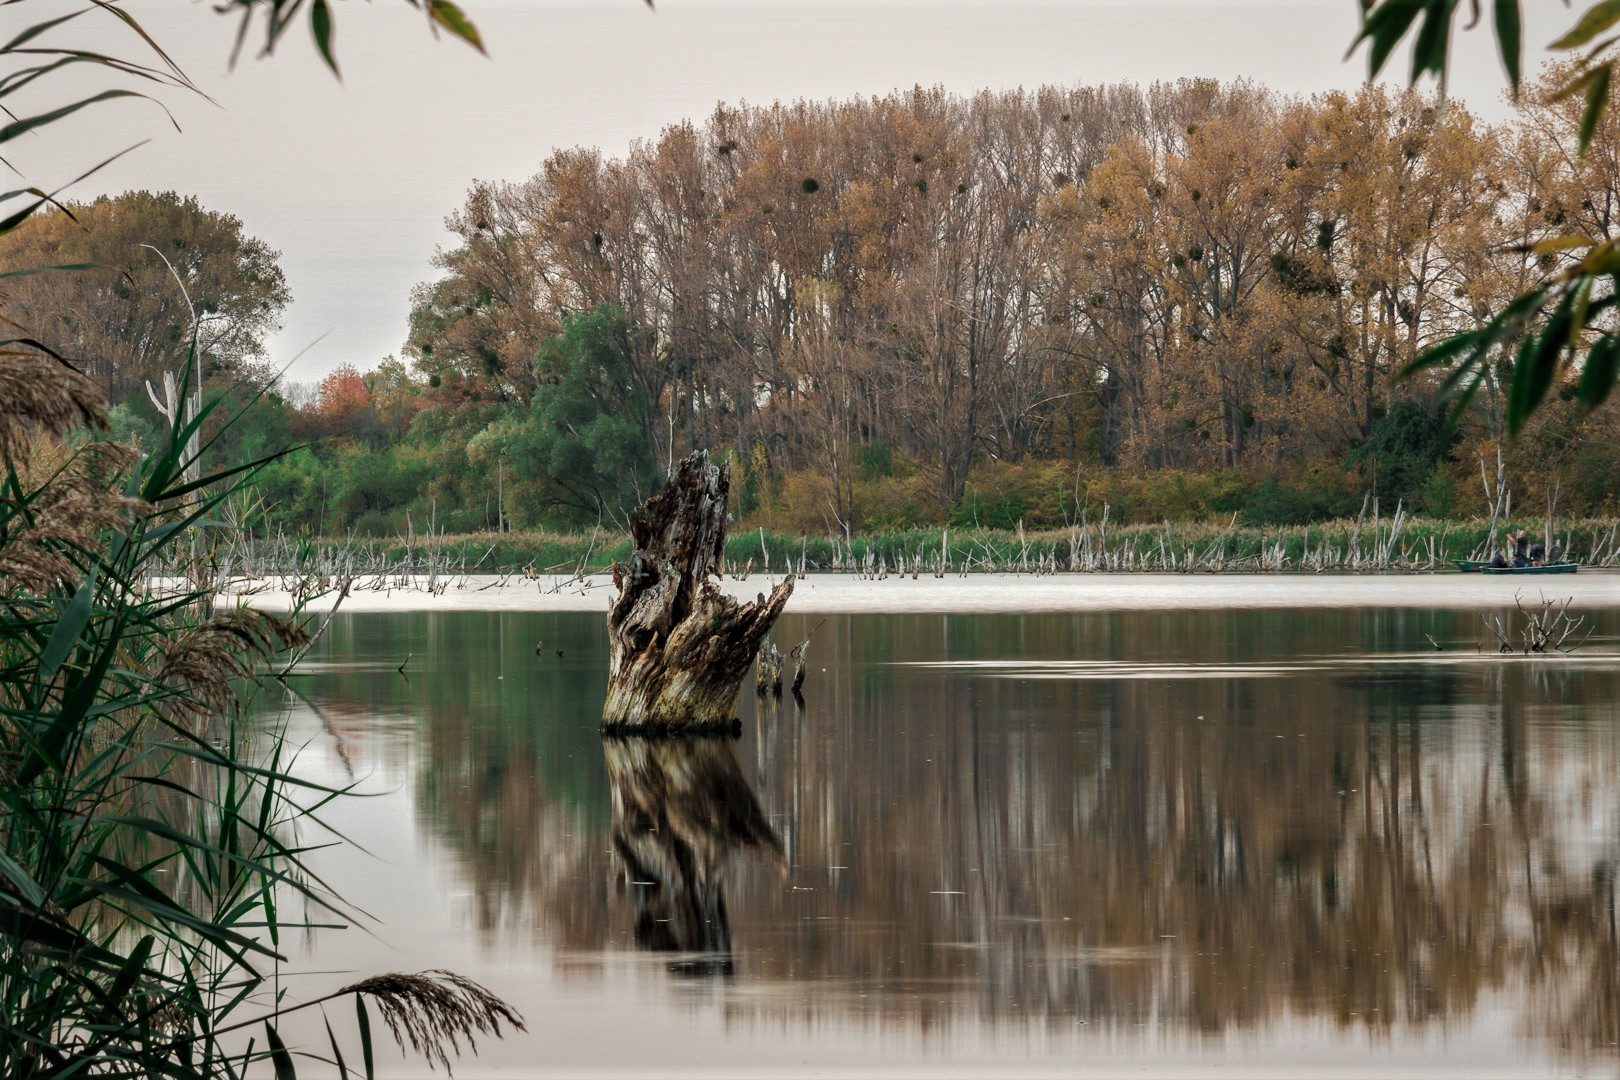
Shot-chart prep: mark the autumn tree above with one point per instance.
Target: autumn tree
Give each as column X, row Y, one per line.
column 342, row 407
column 1554, row 324
column 1190, row 275
column 1250, row 283
column 126, row 319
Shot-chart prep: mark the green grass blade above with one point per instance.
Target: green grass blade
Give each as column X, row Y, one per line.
column 24, row 125
column 278, row 1054
column 21, row 880
column 364, row 1018
column 69, row 628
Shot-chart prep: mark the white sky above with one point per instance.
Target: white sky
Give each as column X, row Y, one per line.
column 351, row 181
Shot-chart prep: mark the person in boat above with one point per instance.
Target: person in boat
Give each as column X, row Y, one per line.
column 1538, row 555
column 1521, row 549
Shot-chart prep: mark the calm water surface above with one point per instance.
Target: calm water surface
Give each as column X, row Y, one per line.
column 1144, row 843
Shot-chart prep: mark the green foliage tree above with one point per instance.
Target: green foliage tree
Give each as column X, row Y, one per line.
column 583, row 451
column 1403, row 448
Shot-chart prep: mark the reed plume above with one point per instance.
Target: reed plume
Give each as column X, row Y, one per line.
column 63, row 505
column 42, row 395
column 434, row 1010
column 206, row 658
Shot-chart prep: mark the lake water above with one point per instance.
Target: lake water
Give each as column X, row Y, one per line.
column 1155, row 843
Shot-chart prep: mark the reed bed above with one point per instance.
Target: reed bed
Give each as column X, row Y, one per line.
column 1369, row 543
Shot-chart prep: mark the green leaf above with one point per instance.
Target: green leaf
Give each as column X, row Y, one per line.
column 1603, row 259
column 1510, row 39
column 1579, row 82
column 320, row 24
column 1536, row 363
column 277, row 21
column 28, row 123
column 1597, row 19
column 1597, row 99
column 1578, row 312
column 365, row 1037
column 48, row 269
column 1433, row 39
column 1522, row 307
column 134, row 966
column 1384, row 27
column 20, row 880
column 1444, row 352
column 1599, row 47
column 1561, row 243
column 71, row 623
column 1599, row 372
column 278, row 1054
column 453, row 19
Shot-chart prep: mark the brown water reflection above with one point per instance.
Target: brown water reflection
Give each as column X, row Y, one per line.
column 681, row 810
column 1273, row 817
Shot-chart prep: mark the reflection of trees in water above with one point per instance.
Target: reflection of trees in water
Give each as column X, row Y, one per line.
column 479, row 789
column 1376, row 849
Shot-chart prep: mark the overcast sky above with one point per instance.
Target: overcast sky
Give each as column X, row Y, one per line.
column 351, row 181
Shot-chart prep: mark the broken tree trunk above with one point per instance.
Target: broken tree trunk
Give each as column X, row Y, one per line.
column 768, row 671
column 679, row 648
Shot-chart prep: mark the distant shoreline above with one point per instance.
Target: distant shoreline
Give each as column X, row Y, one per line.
column 1362, row 546
column 988, row 594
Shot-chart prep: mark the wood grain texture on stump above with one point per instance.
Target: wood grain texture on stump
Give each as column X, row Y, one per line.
column 679, row 648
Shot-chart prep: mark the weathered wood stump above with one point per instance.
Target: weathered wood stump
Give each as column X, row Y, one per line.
column 679, row 648
column 768, row 671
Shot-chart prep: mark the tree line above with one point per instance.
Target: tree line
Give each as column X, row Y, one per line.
column 1182, row 299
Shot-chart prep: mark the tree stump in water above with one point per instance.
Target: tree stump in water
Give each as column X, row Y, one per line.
column 768, row 671
column 679, row 648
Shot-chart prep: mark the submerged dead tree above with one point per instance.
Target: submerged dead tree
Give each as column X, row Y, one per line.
column 678, row 647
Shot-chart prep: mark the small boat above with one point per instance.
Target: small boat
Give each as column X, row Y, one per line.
column 1469, row 566
column 1550, row 568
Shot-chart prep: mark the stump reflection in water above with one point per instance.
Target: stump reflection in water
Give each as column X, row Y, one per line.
column 681, row 809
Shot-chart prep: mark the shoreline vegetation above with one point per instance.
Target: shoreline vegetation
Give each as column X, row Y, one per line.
column 1371, row 543
column 922, row 311
column 154, row 839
